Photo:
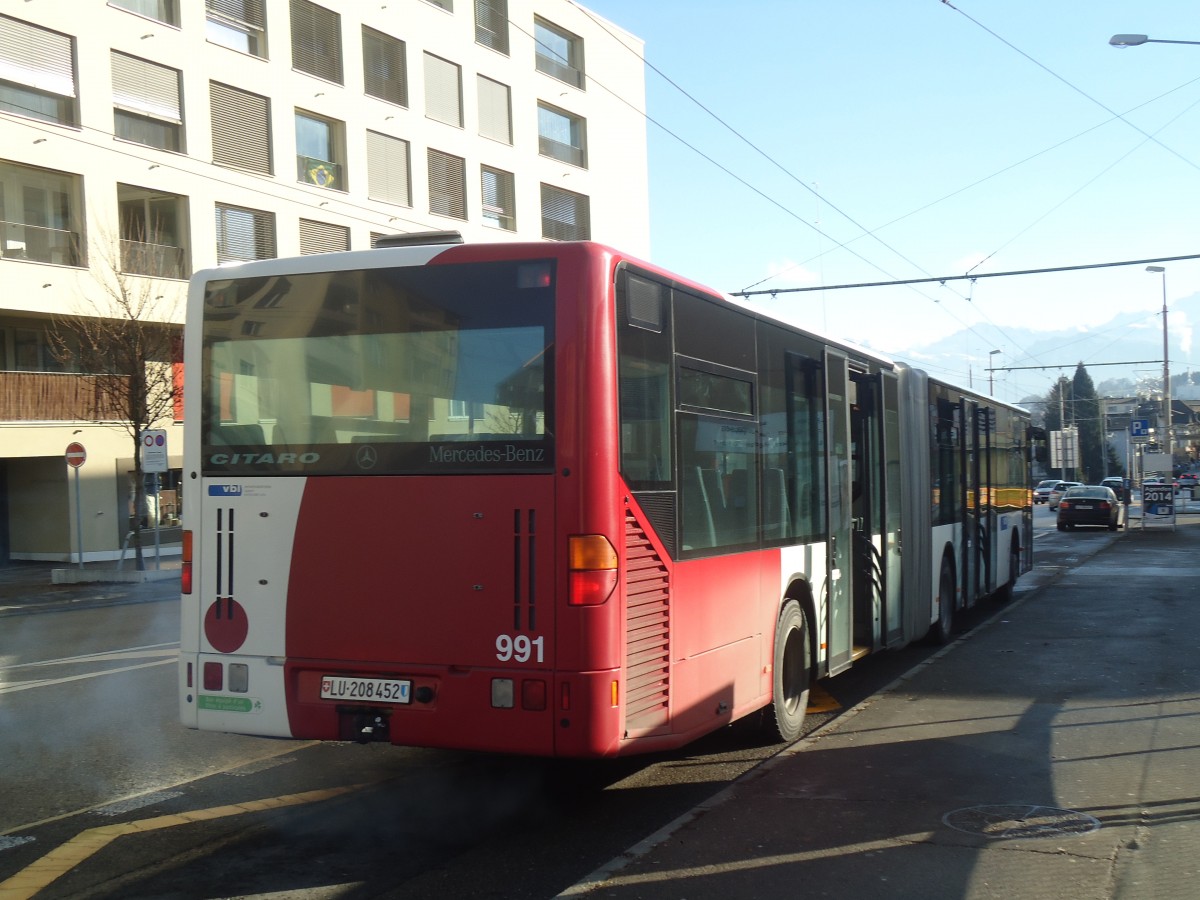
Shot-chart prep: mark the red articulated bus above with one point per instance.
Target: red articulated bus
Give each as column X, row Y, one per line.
column 547, row 499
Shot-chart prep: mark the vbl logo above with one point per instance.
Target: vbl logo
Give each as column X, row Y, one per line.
column 224, row 490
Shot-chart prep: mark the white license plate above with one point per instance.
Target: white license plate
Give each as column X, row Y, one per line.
column 1085, row 507
column 374, row 690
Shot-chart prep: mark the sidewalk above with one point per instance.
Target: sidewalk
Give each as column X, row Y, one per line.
column 42, row 586
column 1052, row 752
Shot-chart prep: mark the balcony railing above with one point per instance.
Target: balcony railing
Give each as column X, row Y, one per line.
column 560, row 70
column 53, row 397
column 560, row 151
column 157, row 260
column 38, row 243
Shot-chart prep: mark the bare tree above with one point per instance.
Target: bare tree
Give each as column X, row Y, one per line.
column 122, row 339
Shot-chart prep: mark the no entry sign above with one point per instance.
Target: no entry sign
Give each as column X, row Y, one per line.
column 76, row 455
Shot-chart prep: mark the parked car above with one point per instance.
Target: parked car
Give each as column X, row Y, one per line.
column 1088, row 504
column 1060, row 489
column 1041, row 493
column 1117, row 484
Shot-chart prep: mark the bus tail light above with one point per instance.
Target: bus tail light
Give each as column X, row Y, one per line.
column 185, row 574
column 214, row 676
column 592, row 565
column 533, row 694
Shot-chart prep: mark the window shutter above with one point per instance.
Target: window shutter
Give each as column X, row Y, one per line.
column 387, row 169
column 491, row 24
column 243, row 12
column 495, row 110
column 498, row 197
column 241, row 131
column 316, row 41
column 146, row 88
column 447, row 185
column 36, row 58
column 443, row 91
column 323, row 237
column 244, row 234
column 385, row 67
column 565, row 215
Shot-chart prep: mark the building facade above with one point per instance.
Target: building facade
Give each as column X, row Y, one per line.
column 142, row 140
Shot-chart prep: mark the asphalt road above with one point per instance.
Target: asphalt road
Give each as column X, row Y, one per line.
column 106, row 795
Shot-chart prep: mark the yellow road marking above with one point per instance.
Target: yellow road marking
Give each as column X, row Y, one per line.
column 819, row 701
column 62, row 859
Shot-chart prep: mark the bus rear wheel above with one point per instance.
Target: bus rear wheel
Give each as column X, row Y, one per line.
column 943, row 629
column 791, row 673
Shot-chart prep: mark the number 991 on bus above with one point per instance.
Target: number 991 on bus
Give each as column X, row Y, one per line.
column 519, row 648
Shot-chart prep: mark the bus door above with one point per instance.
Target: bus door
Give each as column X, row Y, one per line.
column 839, row 623
column 893, row 618
column 968, row 465
column 867, row 516
column 985, row 419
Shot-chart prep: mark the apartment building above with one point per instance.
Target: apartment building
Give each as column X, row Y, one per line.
column 147, row 139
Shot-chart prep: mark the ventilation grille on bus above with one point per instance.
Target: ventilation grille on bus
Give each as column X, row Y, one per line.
column 647, row 595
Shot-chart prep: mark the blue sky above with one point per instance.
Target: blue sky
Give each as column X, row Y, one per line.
column 1004, row 135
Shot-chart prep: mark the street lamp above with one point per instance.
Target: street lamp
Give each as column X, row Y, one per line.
column 1136, row 40
column 1166, row 368
column 991, row 380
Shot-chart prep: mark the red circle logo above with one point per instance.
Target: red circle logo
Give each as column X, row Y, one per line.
column 226, row 625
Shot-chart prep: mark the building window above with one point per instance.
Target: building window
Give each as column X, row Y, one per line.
column 320, row 151
column 39, row 212
column 565, row 215
column 385, row 67
column 316, row 41
column 37, row 73
column 491, row 24
column 443, row 90
column 499, row 205
column 562, row 135
column 166, row 11
column 323, row 237
column 244, row 234
column 237, row 24
column 447, row 185
column 152, row 232
column 447, row 5
column 558, row 53
column 241, row 129
column 388, row 177
column 495, row 110
column 146, row 107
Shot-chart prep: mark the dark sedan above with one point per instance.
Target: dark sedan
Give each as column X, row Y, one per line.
column 1088, row 504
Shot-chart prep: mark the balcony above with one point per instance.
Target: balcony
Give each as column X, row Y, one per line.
column 155, row 260
column 39, row 244
column 53, row 397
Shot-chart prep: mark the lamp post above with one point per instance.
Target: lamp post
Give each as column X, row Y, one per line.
column 1166, row 370
column 1136, row 40
column 991, row 371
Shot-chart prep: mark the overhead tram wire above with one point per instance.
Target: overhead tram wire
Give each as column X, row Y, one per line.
column 966, row 277
column 203, row 169
column 1073, row 87
column 843, row 245
column 1086, row 184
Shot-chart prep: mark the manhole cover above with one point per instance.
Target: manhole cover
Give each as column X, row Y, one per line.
column 1016, row 820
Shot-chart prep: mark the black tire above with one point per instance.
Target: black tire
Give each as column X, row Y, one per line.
column 1112, row 527
column 942, row 631
column 1062, row 527
column 791, row 675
